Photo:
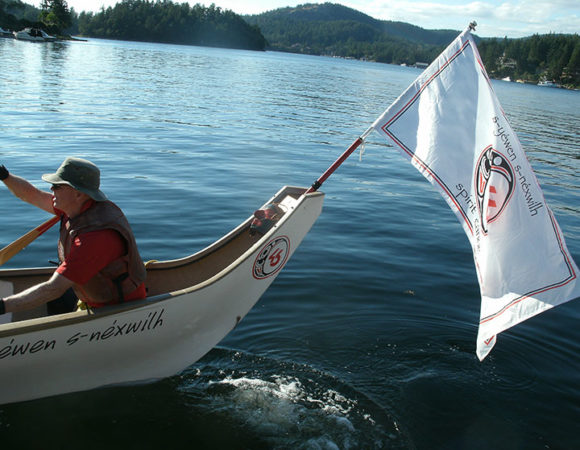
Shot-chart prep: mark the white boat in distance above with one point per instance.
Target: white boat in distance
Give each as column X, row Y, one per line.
column 33, row 35
column 192, row 304
column 6, row 34
column 546, row 83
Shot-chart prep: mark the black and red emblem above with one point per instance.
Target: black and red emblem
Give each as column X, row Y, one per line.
column 494, row 185
column 271, row 258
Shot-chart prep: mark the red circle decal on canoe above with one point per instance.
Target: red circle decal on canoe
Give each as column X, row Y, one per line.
column 271, row 258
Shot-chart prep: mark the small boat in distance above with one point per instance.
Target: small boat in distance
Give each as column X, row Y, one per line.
column 546, row 83
column 5, row 34
column 33, row 35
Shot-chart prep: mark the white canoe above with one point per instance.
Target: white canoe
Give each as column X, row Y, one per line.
column 192, row 304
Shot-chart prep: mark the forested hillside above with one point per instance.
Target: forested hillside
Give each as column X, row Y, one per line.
column 335, row 30
column 15, row 15
column 332, row 29
column 548, row 57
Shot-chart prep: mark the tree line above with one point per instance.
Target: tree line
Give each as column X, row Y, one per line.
column 139, row 20
column 552, row 57
column 168, row 22
column 15, row 15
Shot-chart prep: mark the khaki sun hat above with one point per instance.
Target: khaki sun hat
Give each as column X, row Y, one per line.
column 80, row 174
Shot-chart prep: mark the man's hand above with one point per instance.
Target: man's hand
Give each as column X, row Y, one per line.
column 3, row 173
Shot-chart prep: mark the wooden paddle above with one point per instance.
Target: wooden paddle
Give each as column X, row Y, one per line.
column 12, row 249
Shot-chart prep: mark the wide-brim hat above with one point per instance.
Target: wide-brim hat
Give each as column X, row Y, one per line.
column 80, row 174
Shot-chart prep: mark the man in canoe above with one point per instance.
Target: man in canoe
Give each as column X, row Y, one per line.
column 98, row 255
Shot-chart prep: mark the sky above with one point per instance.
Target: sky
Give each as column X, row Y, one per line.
column 511, row 18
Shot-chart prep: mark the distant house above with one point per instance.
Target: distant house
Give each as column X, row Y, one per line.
column 421, row 65
column 504, row 62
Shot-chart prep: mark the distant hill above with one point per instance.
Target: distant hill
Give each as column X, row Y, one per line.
column 332, row 12
column 333, row 29
column 15, row 15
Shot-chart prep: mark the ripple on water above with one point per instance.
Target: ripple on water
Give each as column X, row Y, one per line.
column 288, row 405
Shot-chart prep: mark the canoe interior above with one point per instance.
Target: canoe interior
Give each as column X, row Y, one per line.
column 164, row 277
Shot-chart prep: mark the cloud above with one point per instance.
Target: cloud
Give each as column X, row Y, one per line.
column 496, row 17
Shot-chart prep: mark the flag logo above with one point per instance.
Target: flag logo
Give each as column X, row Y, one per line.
column 494, row 185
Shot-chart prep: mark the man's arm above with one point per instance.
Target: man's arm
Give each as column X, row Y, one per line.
column 26, row 191
column 39, row 294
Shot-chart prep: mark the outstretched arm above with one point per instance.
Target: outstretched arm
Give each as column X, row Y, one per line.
column 26, row 191
column 38, row 295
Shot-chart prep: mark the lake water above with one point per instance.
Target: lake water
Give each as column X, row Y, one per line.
column 367, row 338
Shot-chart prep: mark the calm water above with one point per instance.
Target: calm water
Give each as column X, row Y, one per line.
column 367, row 338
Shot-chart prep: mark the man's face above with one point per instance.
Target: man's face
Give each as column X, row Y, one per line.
column 65, row 198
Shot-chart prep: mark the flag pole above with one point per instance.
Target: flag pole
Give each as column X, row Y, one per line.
column 316, row 185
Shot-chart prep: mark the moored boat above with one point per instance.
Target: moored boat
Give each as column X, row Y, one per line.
column 34, row 35
column 192, row 304
column 5, row 33
column 547, row 83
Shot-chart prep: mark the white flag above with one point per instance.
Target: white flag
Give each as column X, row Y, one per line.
column 450, row 124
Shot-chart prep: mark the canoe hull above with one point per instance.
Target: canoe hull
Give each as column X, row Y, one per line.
column 156, row 337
